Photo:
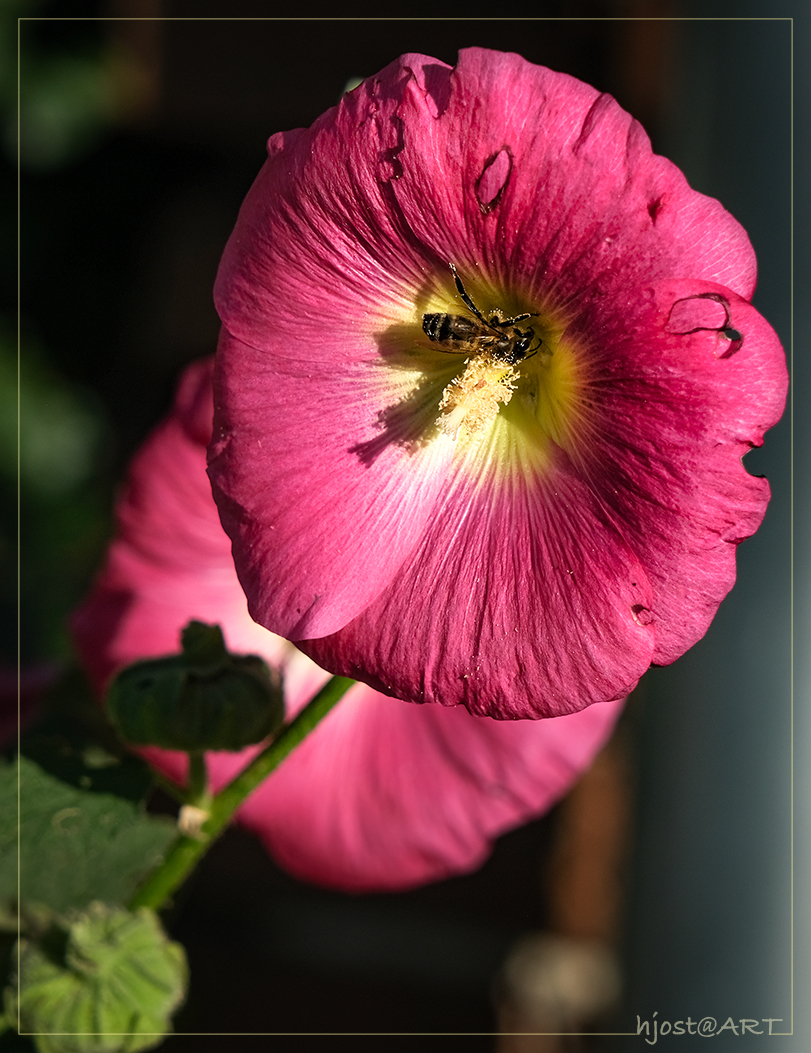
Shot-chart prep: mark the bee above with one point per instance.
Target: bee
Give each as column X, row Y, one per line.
column 501, row 338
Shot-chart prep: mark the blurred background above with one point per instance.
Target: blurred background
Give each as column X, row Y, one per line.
column 669, row 881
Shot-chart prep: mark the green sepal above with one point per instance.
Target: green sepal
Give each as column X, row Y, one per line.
column 202, row 699
column 105, row 980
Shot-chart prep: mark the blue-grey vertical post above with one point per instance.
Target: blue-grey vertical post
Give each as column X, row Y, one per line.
column 719, row 915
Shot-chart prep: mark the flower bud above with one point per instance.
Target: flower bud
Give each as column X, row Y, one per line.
column 105, row 980
column 202, row 699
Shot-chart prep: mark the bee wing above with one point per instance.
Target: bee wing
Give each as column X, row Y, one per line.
column 462, row 328
column 456, row 333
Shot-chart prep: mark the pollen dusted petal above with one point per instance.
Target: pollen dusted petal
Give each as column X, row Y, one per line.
column 383, row 794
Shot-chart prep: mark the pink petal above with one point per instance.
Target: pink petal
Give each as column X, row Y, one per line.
column 348, row 217
column 560, row 591
column 531, row 611
column 383, row 794
column 395, row 795
column 353, row 532
column 586, row 207
column 168, row 539
column 319, row 539
column 673, row 476
column 318, row 252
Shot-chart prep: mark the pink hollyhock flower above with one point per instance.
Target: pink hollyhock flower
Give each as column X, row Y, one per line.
column 382, row 794
column 487, row 370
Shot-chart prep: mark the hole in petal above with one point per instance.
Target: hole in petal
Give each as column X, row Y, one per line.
column 654, row 208
column 390, row 165
column 492, row 183
column 735, row 338
column 704, row 311
column 642, row 616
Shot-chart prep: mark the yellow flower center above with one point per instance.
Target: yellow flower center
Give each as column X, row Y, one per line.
column 519, row 387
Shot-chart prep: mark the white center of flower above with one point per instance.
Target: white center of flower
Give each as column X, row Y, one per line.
column 471, row 401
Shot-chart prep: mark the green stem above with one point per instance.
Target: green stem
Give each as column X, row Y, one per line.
column 197, row 782
column 186, row 852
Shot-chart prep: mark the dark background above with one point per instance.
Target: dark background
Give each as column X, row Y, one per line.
column 141, row 130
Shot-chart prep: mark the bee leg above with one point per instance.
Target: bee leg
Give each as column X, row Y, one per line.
column 471, row 306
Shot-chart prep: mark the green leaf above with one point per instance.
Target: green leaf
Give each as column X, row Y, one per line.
column 84, row 834
column 105, row 980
